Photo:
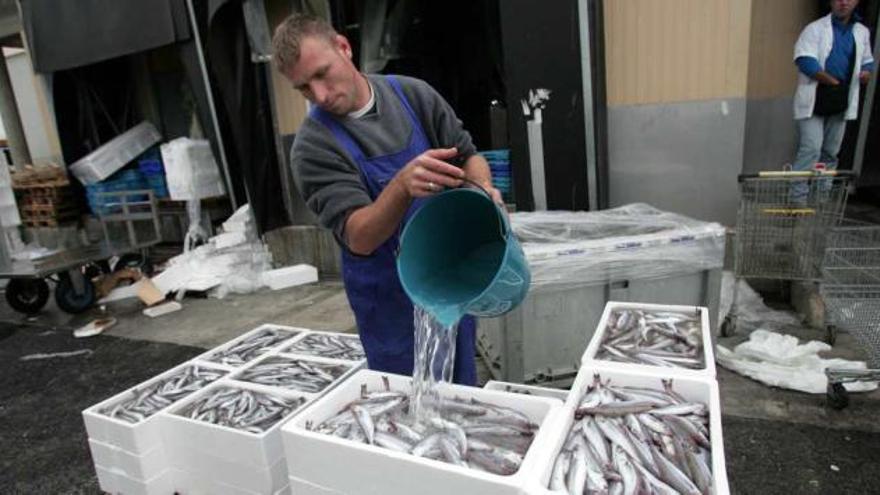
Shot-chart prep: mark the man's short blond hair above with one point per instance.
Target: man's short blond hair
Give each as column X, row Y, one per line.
column 290, row 33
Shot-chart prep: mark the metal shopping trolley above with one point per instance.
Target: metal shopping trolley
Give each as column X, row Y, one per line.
column 850, row 288
column 781, row 224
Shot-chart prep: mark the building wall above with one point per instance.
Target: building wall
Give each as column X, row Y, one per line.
column 770, row 139
column 677, row 74
column 698, row 92
column 34, row 108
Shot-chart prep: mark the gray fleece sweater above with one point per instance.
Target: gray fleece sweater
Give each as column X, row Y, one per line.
column 328, row 178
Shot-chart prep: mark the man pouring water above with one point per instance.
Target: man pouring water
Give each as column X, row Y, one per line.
column 372, row 148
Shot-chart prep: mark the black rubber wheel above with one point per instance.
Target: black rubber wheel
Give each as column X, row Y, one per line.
column 830, row 334
column 728, row 326
column 135, row 260
column 27, row 296
column 71, row 302
column 837, row 396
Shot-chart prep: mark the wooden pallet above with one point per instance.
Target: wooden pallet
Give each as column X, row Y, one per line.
column 29, row 177
column 47, row 222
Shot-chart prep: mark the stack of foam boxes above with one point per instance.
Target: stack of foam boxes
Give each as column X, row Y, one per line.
column 694, row 385
column 168, row 452
column 697, row 385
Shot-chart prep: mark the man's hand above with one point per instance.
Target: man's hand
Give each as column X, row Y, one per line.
column 864, row 76
column 826, row 78
column 428, row 173
column 494, row 193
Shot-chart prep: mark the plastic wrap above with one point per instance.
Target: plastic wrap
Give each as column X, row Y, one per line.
column 635, row 241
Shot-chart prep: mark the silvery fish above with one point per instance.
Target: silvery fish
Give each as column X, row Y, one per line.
column 253, row 346
column 150, row 399
column 639, row 440
column 347, row 347
column 657, row 338
column 242, row 409
column 465, row 432
column 295, row 374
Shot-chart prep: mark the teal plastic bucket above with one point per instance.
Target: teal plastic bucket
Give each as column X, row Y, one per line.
column 458, row 256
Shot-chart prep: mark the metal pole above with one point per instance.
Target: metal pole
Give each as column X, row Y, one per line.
column 587, row 85
column 11, row 119
column 212, row 108
column 865, row 119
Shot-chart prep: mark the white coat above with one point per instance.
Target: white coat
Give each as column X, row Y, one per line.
column 815, row 41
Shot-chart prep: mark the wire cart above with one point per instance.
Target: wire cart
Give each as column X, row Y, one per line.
column 131, row 225
column 851, row 290
column 781, row 224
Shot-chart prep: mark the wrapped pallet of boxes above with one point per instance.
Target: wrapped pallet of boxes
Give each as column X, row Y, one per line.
column 581, row 260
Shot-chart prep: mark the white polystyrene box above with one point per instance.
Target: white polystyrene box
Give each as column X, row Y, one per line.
column 300, row 487
column 138, row 467
column 708, row 369
column 193, row 437
column 289, row 276
column 115, row 481
column 114, row 154
column 136, row 438
column 519, row 388
column 339, row 465
column 295, row 334
column 204, row 470
column 700, row 389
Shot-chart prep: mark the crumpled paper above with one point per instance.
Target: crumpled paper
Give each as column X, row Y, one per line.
column 781, row 361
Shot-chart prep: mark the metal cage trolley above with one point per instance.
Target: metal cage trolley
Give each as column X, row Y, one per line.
column 130, row 225
column 781, row 223
column 850, row 288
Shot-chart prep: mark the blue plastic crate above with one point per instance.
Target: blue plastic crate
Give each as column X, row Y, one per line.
column 151, row 167
column 125, row 180
column 158, row 185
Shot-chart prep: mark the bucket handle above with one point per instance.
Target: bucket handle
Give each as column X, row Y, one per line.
column 501, row 222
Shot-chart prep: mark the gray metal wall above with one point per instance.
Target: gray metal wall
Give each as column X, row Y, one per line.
column 771, row 138
column 682, row 157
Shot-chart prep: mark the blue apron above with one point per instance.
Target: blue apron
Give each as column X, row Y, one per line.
column 383, row 311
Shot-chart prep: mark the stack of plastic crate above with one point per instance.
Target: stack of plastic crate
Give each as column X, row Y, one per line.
column 150, row 166
column 499, row 164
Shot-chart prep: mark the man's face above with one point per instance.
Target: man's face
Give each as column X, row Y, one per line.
column 843, row 8
column 325, row 74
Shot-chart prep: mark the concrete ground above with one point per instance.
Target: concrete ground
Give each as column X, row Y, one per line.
column 776, row 441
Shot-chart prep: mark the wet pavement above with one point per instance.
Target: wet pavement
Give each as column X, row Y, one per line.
column 775, row 441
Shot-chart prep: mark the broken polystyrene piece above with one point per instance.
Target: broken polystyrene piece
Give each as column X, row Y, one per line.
column 290, row 276
column 781, row 361
column 94, row 327
column 229, row 239
column 163, row 309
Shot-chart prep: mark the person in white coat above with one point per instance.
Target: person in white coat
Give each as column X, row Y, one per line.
column 833, row 56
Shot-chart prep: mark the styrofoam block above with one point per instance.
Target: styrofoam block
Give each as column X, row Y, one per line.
column 302, row 487
column 114, row 154
column 708, row 369
column 295, row 334
column 290, row 276
column 348, row 467
column 163, row 309
column 136, row 438
column 115, row 481
column 229, row 239
column 138, row 467
column 261, row 451
column 519, row 388
column 202, row 466
column 692, row 388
